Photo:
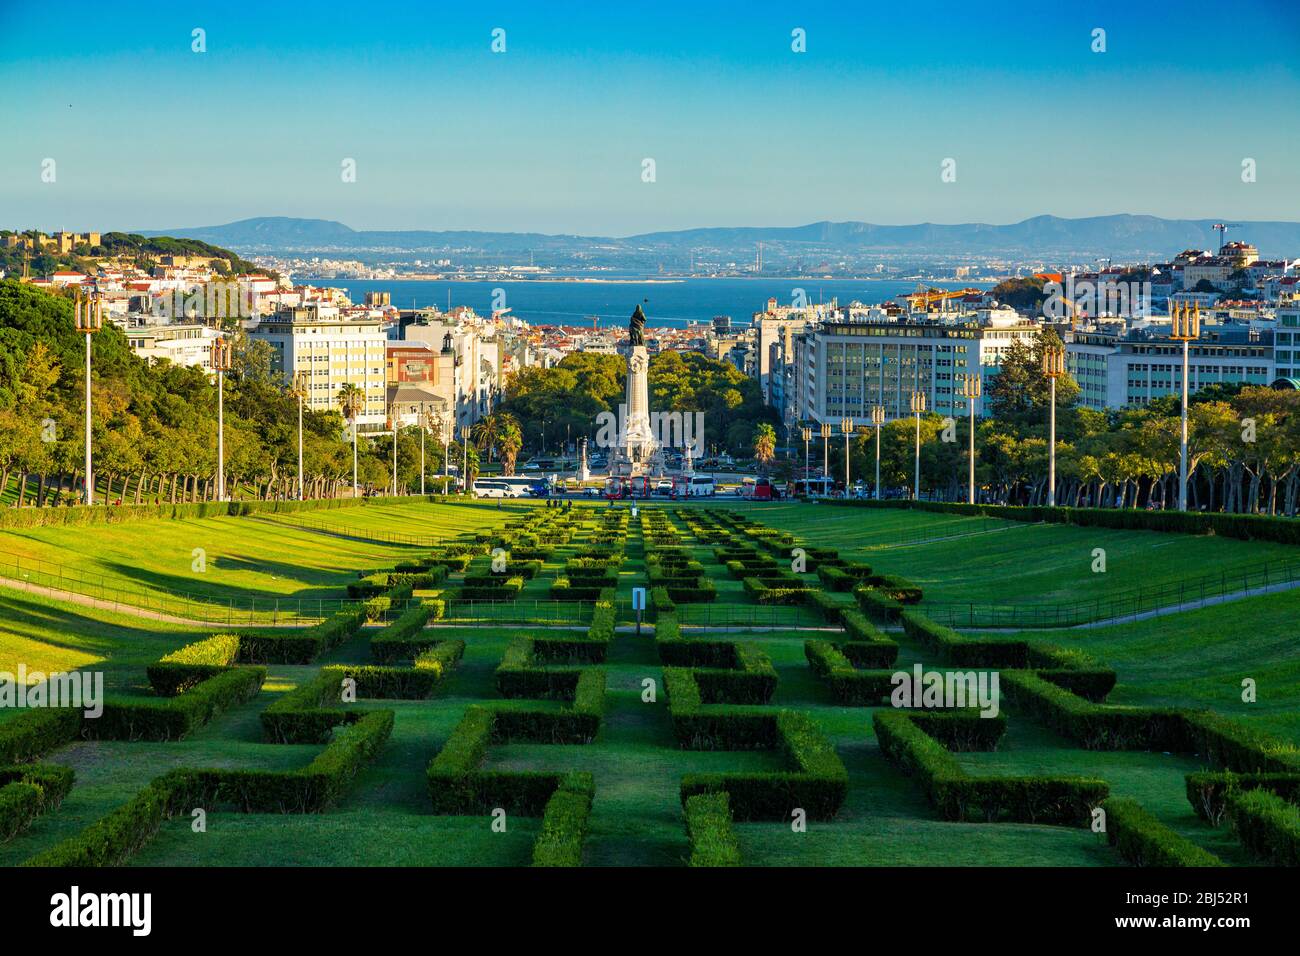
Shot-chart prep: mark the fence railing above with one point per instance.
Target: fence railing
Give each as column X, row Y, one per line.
column 359, row 534
column 942, row 531
column 1144, row 601
column 233, row 610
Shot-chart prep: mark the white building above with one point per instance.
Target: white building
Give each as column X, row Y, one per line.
column 332, row 351
column 842, row 369
column 189, row 345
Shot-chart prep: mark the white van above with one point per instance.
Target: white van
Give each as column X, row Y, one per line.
column 494, row 488
column 700, row 486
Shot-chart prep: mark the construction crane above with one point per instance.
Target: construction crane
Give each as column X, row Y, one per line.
column 1222, row 229
column 925, row 297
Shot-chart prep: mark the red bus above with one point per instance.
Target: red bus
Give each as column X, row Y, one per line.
column 618, row 488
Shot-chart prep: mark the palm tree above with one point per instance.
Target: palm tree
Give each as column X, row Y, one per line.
column 509, row 440
column 764, row 443
column 351, row 400
column 486, row 432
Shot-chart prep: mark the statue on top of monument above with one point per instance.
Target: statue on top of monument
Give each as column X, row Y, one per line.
column 636, row 327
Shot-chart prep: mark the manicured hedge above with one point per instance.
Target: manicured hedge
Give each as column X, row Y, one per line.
column 1142, row 840
column 1207, row 792
column 36, row 732
column 308, row 714
column 405, row 638
column 192, row 664
column 497, row 590
column 958, row 796
column 708, row 826
column 851, row 687
column 302, row 645
column 877, row 605
column 173, row 718
column 867, row 645
column 1220, row 741
column 564, row 822
column 112, row 839
column 817, row 784
column 1267, row 826
column 28, row 791
column 1245, row 527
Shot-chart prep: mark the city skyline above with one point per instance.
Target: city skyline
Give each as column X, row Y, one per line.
column 551, row 134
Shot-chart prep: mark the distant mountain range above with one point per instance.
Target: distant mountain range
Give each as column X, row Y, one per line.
column 1122, row 237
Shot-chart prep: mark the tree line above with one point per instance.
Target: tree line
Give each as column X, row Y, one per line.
column 1243, row 447
column 154, row 427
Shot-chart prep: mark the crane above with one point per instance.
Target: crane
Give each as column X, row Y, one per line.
column 1222, row 229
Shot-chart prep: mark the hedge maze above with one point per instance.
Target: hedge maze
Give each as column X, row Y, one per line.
column 498, row 684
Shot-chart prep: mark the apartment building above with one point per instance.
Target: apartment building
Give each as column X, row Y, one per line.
column 332, row 350
column 843, row 368
column 1286, row 340
column 184, row 344
column 469, row 368
column 1133, row 369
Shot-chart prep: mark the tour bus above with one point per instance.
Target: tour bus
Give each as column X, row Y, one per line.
column 811, row 487
column 617, row 488
column 496, row 488
column 758, row 489
column 701, row 486
column 523, row 484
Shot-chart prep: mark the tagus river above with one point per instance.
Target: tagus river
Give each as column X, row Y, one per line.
column 671, row 302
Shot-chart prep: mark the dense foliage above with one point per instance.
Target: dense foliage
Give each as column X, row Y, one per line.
column 154, row 427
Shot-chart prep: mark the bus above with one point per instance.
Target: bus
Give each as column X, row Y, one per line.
column 622, row 487
column 535, row 485
column 495, row 488
column 701, row 486
column 811, row 488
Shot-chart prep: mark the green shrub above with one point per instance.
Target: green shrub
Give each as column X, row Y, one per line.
column 564, row 822
column 173, row 718
column 1142, row 840
column 708, row 825
column 1267, row 826
column 27, row 792
column 850, row 687
column 957, row 796
column 36, row 732
column 1207, row 792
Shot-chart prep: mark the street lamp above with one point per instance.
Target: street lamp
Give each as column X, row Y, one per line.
column 971, row 387
column 826, row 449
column 1186, row 329
column 878, row 419
column 352, row 404
column 806, row 433
column 1053, row 368
column 299, row 390
column 846, row 426
column 89, row 319
column 221, row 365
column 395, row 421
column 425, row 421
column 464, row 447
column 918, row 406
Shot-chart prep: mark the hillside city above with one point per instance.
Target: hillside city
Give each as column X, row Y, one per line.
column 814, row 362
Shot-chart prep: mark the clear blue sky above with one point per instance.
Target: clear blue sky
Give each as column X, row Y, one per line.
column 550, row 135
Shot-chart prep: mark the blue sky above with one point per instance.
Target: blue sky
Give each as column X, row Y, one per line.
column 550, row 135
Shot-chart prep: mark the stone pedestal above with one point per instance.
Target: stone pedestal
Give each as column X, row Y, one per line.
column 638, row 454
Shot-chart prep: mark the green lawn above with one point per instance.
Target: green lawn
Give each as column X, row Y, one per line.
column 223, row 569
column 1194, row 658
